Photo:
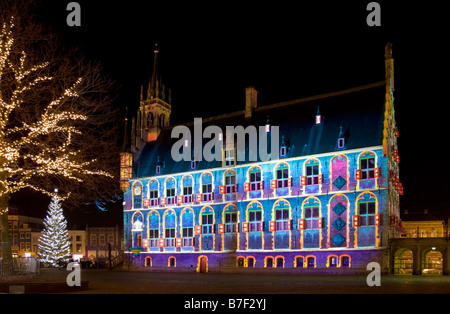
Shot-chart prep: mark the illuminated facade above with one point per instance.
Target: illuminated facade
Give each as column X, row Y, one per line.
column 331, row 199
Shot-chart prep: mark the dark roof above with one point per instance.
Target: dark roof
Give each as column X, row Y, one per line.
column 360, row 112
column 423, row 216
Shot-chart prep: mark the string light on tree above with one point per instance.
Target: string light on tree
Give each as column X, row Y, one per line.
column 54, row 243
column 54, row 111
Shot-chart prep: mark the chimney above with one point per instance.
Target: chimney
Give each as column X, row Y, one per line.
column 251, row 95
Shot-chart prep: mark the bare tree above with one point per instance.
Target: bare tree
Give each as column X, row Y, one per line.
column 58, row 126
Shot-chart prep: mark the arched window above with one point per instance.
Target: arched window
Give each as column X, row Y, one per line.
column 282, row 179
column 280, row 262
column 153, row 229
column 207, row 219
column 255, row 182
column 187, row 227
column 250, row 262
column 188, row 189
column 312, row 173
column 311, row 213
column 170, row 228
column 172, row 262
column 345, row 261
column 367, row 167
column 299, row 260
column 170, row 185
column 255, row 215
column 230, row 218
column 206, row 187
column 153, row 187
column 269, row 262
column 137, row 194
column 310, row 262
column 230, row 182
column 282, row 215
column 366, row 210
column 332, row 261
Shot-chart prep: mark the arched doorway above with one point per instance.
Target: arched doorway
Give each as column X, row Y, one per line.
column 403, row 262
column 432, row 262
column 202, row 264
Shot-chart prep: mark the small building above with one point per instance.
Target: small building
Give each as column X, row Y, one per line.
column 422, row 225
column 21, row 229
column 101, row 242
column 78, row 244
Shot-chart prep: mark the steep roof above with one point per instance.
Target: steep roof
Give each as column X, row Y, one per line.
column 360, row 112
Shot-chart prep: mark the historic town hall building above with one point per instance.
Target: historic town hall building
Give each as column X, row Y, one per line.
column 330, row 200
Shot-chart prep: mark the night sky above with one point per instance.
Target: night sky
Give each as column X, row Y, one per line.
column 210, row 51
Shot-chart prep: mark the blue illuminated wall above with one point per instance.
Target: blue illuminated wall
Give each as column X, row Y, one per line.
column 283, row 219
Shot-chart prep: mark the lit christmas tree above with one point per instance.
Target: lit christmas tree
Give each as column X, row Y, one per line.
column 54, row 243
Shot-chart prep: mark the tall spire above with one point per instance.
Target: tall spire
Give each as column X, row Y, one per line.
column 155, row 75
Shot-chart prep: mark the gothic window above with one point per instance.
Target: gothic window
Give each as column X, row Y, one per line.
column 255, row 217
column 207, row 223
column 170, row 191
column 187, row 223
column 311, row 213
column 153, row 229
column 367, row 166
column 153, row 193
column 366, row 214
column 255, row 179
column 282, row 176
column 311, row 262
column 230, row 219
column 312, row 173
column 230, row 182
column 188, row 189
column 137, row 195
column 282, row 219
column 206, row 187
column 169, row 228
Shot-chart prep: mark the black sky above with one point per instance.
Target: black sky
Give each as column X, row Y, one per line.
column 210, row 51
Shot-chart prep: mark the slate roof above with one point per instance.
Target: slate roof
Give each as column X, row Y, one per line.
column 360, row 112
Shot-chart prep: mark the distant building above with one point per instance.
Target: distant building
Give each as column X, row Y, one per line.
column 101, row 240
column 422, row 225
column 78, row 244
column 22, row 233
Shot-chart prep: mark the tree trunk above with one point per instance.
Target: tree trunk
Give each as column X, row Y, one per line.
column 7, row 262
